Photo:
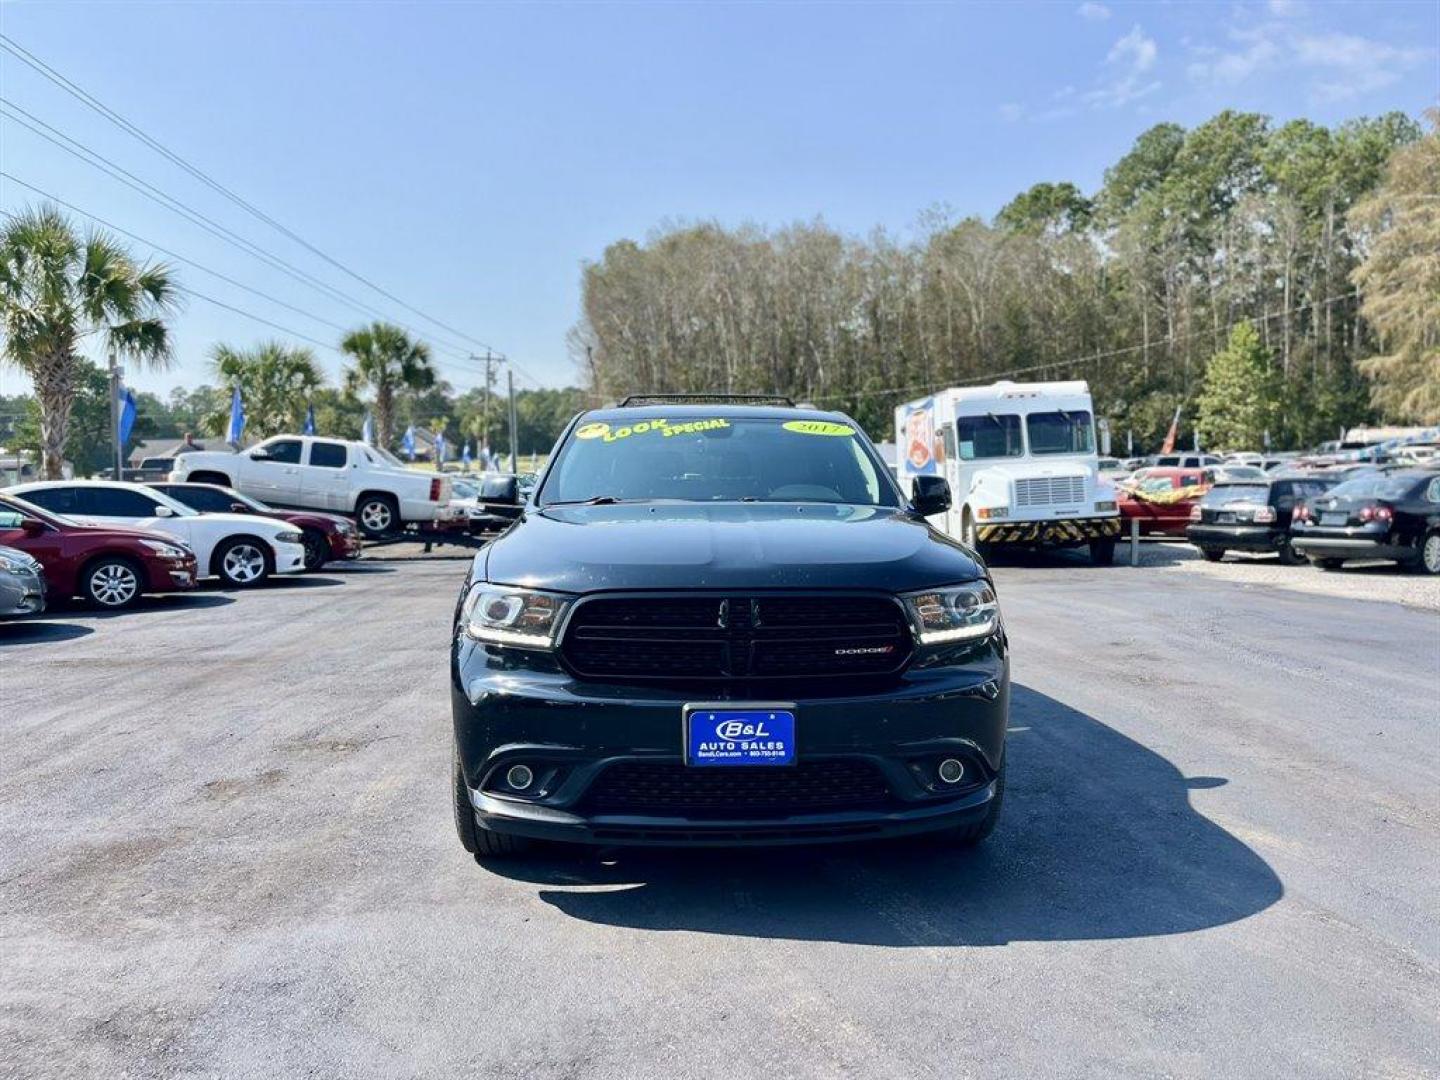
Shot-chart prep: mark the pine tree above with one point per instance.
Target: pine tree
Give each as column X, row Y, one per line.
column 1240, row 400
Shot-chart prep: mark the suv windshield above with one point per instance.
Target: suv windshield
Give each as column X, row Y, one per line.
column 1060, row 432
column 717, row 458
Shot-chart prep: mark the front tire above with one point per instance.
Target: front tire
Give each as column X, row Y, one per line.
column 970, row 537
column 481, row 843
column 317, row 549
column 112, row 583
column 377, row 516
column 1288, row 555
column 1327, row 564
column 241, row 562
column 1102, row 551
column 1212, row 554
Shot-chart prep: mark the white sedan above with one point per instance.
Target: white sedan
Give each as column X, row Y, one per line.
column 239, row 549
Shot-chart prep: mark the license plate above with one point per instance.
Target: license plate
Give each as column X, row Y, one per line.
column 1334, row 519
column 1225, row 519
column 722, row 735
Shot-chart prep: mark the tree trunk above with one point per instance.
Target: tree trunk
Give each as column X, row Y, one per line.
column 54, row 382
column 384, row 415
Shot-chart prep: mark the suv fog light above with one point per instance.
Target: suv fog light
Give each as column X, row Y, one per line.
column 951, row 771
column 519, row 777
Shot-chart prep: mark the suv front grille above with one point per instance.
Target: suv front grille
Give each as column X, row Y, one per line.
column 736, row 791
column 736, row 637
column 1049, row 490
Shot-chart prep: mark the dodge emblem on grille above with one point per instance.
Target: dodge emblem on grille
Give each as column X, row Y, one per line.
column 867, row 650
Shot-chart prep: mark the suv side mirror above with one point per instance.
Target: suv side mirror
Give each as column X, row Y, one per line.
column 32, row 526
column 504, row 490
column 239, row 508
column 164, row 512
column 931, row 495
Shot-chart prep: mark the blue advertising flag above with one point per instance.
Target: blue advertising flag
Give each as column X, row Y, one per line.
column 309, row 428
column 439, row 449
column 128, row 408
column 367, row 430
column 465, row 454
column 236, row 431
column 407, row 443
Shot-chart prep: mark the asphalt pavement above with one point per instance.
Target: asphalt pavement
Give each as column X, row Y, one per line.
column 226, row 851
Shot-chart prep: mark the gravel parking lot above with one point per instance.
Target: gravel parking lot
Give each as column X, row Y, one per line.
column 226, row 851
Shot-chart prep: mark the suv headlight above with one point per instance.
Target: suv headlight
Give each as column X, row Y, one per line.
column 958, row 613
column 18, row 564
column 506, row 616
column 164, row 550
column 290, row 537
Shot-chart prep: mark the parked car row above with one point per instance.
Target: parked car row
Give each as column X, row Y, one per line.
column 1392, row 515
column 108, row 543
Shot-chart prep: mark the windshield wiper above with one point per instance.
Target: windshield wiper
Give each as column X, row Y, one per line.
column 597, row 500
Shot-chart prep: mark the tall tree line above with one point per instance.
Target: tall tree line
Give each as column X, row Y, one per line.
column 1132, row 287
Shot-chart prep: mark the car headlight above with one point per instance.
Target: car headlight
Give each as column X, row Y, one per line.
column 290, row 537
column 164, row 550
column 1105, row 506
column 502, row 615
column 345, row 528
column 22, row 565
column 988, row 513
column 958, row 613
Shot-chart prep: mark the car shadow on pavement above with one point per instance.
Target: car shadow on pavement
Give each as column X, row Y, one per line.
column 1098, row 839
column 149, row 604
column 27, row 632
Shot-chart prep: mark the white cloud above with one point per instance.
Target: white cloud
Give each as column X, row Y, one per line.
column 1349, row 65
column 1012, row 111
column 1093, row 12
column 1340, row 65
column 1284, row 9
column 1129, row 61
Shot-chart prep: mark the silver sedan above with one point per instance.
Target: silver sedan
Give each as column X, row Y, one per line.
column 22, row 584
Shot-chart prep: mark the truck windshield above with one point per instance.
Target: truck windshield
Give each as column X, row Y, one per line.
column 989, row 436
column 1060, row 432
column 717, row 458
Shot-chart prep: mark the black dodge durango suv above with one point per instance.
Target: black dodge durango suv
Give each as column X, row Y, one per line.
column 721, row 624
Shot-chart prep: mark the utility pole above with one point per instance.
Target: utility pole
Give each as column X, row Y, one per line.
column 115, row 373
column 514, row 446
column 490, row 360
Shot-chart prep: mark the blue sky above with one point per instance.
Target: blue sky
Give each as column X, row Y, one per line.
column 469, row 157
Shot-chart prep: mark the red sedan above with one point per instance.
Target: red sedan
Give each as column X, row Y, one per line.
column 1161, row 499
column 327, row 536
column 107, row 565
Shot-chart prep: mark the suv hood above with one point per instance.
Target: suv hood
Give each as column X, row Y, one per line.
column 581, row 549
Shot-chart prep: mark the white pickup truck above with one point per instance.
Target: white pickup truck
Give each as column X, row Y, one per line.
column 307, row 473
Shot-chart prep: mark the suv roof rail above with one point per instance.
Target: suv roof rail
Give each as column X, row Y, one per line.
column 706, row 399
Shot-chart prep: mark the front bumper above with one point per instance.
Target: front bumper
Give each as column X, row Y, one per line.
column 1236, row 537
column 1060, row 531
column 345, row 545
column 571, row 732
column 22, row 593
column 289, row 558
column 171, row 575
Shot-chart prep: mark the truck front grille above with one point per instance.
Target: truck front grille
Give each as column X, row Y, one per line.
column 736, row 637
column 736, row 791
column 1049, row 491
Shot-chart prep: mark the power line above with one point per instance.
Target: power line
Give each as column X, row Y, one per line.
column 172, row 254
column 119, row 121
column 1080, row 360
column 99, row 161
column 188, row 291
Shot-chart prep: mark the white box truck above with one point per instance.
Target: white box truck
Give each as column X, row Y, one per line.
column 1020, row 461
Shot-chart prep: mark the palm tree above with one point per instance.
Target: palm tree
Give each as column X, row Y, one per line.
column 276, row 381
column 386, row 360
column 57, row 290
